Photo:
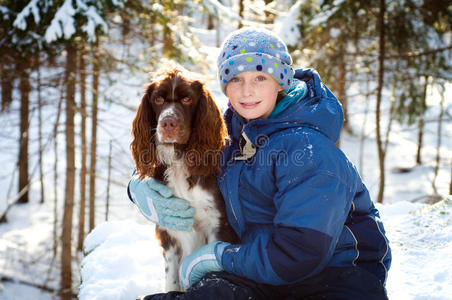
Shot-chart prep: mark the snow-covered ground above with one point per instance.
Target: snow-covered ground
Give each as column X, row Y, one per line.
column 420, row 235
column 421, row 241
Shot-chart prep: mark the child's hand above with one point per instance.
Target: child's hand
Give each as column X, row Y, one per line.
column 156, row 203
column 204, row 260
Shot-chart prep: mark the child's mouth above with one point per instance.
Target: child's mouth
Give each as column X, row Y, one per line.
column 249, row 105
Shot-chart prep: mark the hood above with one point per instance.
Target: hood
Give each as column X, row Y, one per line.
column 319, row 110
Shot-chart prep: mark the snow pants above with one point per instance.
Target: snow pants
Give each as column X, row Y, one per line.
column 351, row 283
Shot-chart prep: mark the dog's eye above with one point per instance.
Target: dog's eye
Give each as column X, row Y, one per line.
column 159, row 100
column 186, row 100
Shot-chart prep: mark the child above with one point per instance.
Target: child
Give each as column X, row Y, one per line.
column 307, row 225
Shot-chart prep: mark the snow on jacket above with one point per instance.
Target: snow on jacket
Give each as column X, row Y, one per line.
column 298, row 204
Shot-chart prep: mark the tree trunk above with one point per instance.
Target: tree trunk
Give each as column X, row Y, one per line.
column 438, row 143
column 6, row 78
column 450, row 183
column 152, row 37
column 341, row 93
column 421, row 124
column 55, row 172
column 363, row 131
column 107, row 208
column 269, row 17
column 210, row 22
column 24, row 87
column 168, row 43
column 241, row 12
column 391, row 119
column 81, row 224
column 66, row 237
column 339, row 90
column 420, row 137
column 92, row 171
column 41, row 146
column 381, row 60
column 217, row 33
column 125, row 25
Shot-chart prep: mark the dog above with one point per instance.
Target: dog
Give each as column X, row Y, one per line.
column 178, row 133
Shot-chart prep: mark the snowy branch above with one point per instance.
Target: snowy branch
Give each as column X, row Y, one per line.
column 63, row 24
column 31, row 8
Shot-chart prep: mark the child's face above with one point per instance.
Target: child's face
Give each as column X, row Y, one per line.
column 253, row 94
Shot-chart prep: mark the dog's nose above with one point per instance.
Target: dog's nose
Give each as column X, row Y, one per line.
column 168, row 123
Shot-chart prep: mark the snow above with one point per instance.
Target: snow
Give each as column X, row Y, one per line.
column 420, row 236
column 94, row 20
column 31, row 8
column 286, row 26
column 4, row 10
column 62, row 24
column 125, row 246
column 11, row 291
column 323, row 16
column 421, row 241
column 224, row 11
column 335, row 32
column 122, row 258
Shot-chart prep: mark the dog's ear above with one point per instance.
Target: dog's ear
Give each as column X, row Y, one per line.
column 143, row 128
column 208, row 135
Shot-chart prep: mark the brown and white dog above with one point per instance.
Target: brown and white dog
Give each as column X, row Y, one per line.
column 178, row 133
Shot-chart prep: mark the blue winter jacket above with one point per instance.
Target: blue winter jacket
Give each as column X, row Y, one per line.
column 298, row 204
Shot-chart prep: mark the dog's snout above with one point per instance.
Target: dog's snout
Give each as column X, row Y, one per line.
column 168, row 123
column 172, row 125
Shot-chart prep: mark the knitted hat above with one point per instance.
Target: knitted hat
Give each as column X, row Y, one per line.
column 252, row 49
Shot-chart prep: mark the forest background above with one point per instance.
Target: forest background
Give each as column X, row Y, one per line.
column 68, row 66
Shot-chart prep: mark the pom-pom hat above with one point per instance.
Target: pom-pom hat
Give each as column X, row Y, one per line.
column 252, row 49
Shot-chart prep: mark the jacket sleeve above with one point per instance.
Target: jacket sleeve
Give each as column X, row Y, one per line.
column 128, row 187
column 312, row 204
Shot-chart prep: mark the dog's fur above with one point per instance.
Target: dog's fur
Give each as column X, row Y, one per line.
column 178, row 133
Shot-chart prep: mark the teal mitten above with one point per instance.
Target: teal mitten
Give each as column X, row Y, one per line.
column 156, row 203
column 204, row 260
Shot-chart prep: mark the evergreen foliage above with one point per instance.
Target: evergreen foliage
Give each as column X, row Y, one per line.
column 417, row 47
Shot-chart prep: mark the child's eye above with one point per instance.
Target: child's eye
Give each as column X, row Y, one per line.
column 235, row 79
column 260, row 78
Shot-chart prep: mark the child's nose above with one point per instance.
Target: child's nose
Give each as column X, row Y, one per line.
column 247, row 89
